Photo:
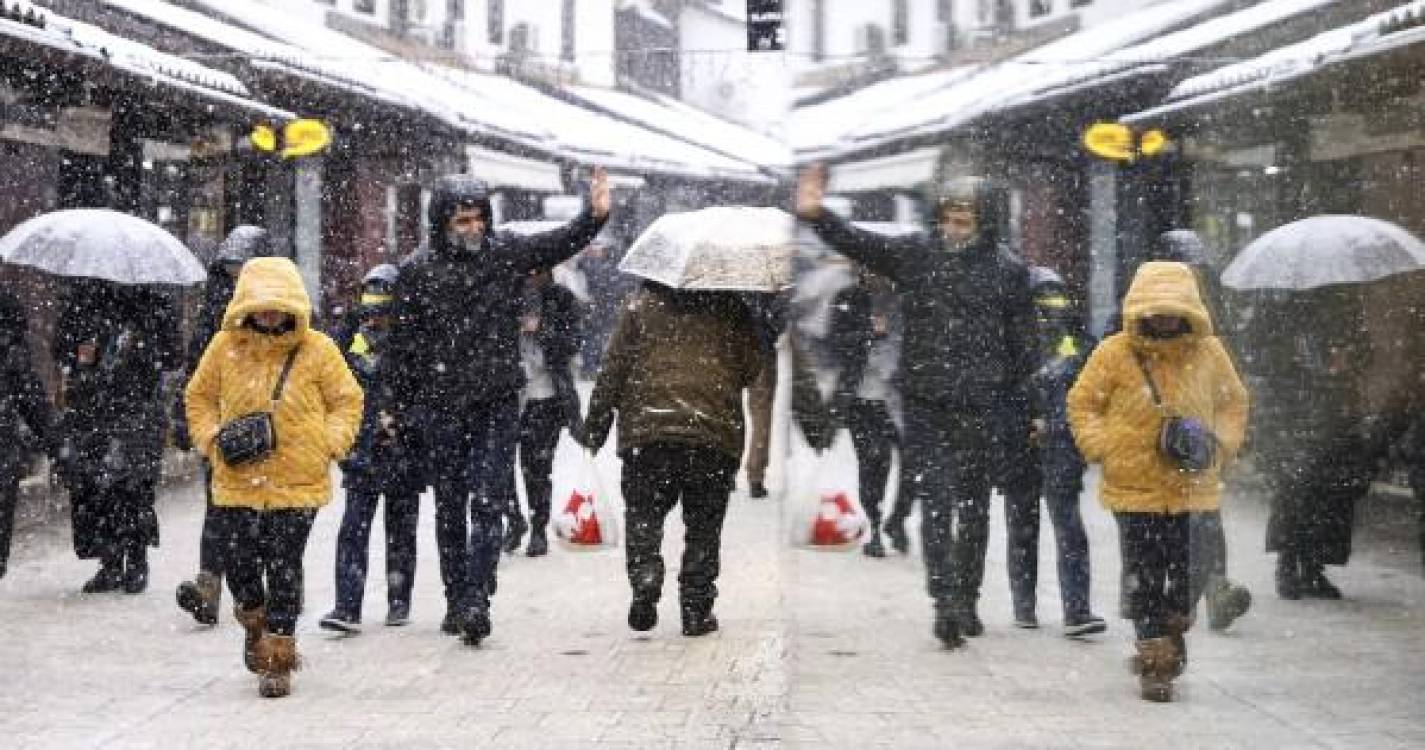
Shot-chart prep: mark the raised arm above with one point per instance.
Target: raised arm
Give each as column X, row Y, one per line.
column 889, row 256
column 547, row 249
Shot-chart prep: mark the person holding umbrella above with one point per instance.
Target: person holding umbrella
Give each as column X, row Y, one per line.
column 268, row 360
column 113, row 344
column 202, row 595
column 454, row 373
column 24, row 415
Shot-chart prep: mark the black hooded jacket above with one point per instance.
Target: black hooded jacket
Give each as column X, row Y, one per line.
column 968, row 315
column 24, row 407
column 456, row 338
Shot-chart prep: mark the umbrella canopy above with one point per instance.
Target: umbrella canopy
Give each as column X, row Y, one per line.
column 1325, row 251
column 101, row 244
column 726, row 248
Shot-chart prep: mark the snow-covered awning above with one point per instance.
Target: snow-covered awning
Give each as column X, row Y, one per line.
column 137, row 61
column 904, row 170
column 816, row 130
column 500, row 169
column 672, row 117
column 1012, row 83
column 1401, row 26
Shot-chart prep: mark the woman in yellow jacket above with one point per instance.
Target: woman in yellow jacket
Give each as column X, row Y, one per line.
column 1168, row 346
column 270, row 503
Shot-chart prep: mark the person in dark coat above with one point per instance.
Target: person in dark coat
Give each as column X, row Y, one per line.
column 967, row 359
column 674, row 374
column 24, row 415
column 202, row 595
column 454, row 372
column 1226, row 600
column 386, row 462
column 113, row 345
column 1064, row 346
column 861, row 339
column 549, row 339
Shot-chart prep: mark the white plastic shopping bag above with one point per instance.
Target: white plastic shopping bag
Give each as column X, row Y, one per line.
column 588, row 519
column 825, row 512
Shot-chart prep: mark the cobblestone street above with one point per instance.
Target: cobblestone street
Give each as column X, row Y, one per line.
column 816, row 650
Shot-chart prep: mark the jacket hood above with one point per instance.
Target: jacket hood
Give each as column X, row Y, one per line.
column 243, row 244
column 1163, row 288
column 1182, row 246
column 989, row 200
column 453, row 192
column 269, row 284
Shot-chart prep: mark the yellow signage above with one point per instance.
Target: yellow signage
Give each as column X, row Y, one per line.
column 304, row 138
column 1153, row 142
column 1110, row 140
column 264, row 138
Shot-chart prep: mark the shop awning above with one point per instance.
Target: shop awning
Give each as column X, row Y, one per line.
column 1276, row 70
column 500, row 169
column 905, row 170
column 134, row 63
column 818, row 130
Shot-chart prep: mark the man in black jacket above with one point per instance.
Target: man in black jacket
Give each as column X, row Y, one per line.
column 967, row 357
column 24, row 414
column 454, row 371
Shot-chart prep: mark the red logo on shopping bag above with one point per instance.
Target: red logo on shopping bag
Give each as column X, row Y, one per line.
column 581, row 521
column 837, row 523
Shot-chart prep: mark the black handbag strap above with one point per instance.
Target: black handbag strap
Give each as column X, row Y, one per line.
column 282, row 378
column 1148, row 376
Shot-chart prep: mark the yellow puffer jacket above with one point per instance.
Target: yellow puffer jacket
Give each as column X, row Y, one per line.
column 318, row 415
column 1111, row 408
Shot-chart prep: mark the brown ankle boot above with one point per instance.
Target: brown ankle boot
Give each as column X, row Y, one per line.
column 253, row 622
column 276, row 659
column 1178, row 626
column 1159, row 659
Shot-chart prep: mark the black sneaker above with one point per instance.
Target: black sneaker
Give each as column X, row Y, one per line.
column 1316, row 585
column 514, row 533
column 475, row 627
column 398, row 614
column 643, row 614
column 947, row 628
column 450, row 624
column 874, row 548
column 757, row 491
column 341, row 622
column 109, row 578
column 895, row 531
column 698, row 621
column 970, row 624
column 538, row 544
column 1082, row 625
column 1025, row 620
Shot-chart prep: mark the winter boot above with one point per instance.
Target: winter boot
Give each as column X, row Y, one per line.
column 698, row 619
column 538, row 543
column 450, row 624
column 398, row 614
column 1157, row 659
column 514, row 532
column 136, row 570
column 202, row 597
column 757, row 491
column 895, row 531
column 1314, row 583
column 253, row 622
column 1178, row 626
column 109, row 578
column 276, row 660
column 874, row 548
column 1226, row 601
column 475, row 626
column 1288, row 577
column 947, row 627
column 970, row 624
column 643, row 613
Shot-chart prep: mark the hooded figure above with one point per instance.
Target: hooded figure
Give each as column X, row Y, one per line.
column 113, row 344
column 454, row 373
column 967, row 357
column 201, row 596
column 268, row 505
column 1167, row 348
column 24, row 415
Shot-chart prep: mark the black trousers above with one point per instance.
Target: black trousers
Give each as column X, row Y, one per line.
column 656, row 478
column 1159, row 580
column 873, row 435
column 9, row 499
column 354, row 543
column 540, row 424
column 214, row 541
column 265, row 567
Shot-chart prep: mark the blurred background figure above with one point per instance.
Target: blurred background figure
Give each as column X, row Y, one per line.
column 24, row 415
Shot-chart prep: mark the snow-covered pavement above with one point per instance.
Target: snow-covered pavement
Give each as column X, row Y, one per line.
column 816, row 650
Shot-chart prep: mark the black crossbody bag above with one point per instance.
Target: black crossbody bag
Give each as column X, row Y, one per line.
column 1185, row 442
column 252, row 437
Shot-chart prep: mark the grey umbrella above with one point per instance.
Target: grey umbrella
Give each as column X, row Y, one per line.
column 1325, row 251
column 101, row 244
column 728, row 248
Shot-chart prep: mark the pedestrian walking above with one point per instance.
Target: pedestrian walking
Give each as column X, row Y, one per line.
column 113, row 343
column 387, row 463
column 271, row 405
column 1161, row 407
column 202, row 595
column 455, row 374
column 1226, row 599
column 968, row 355
column 864, row 339
column 24, row 415
column 1064, row 346
column 674, row 373
column 549, row 339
